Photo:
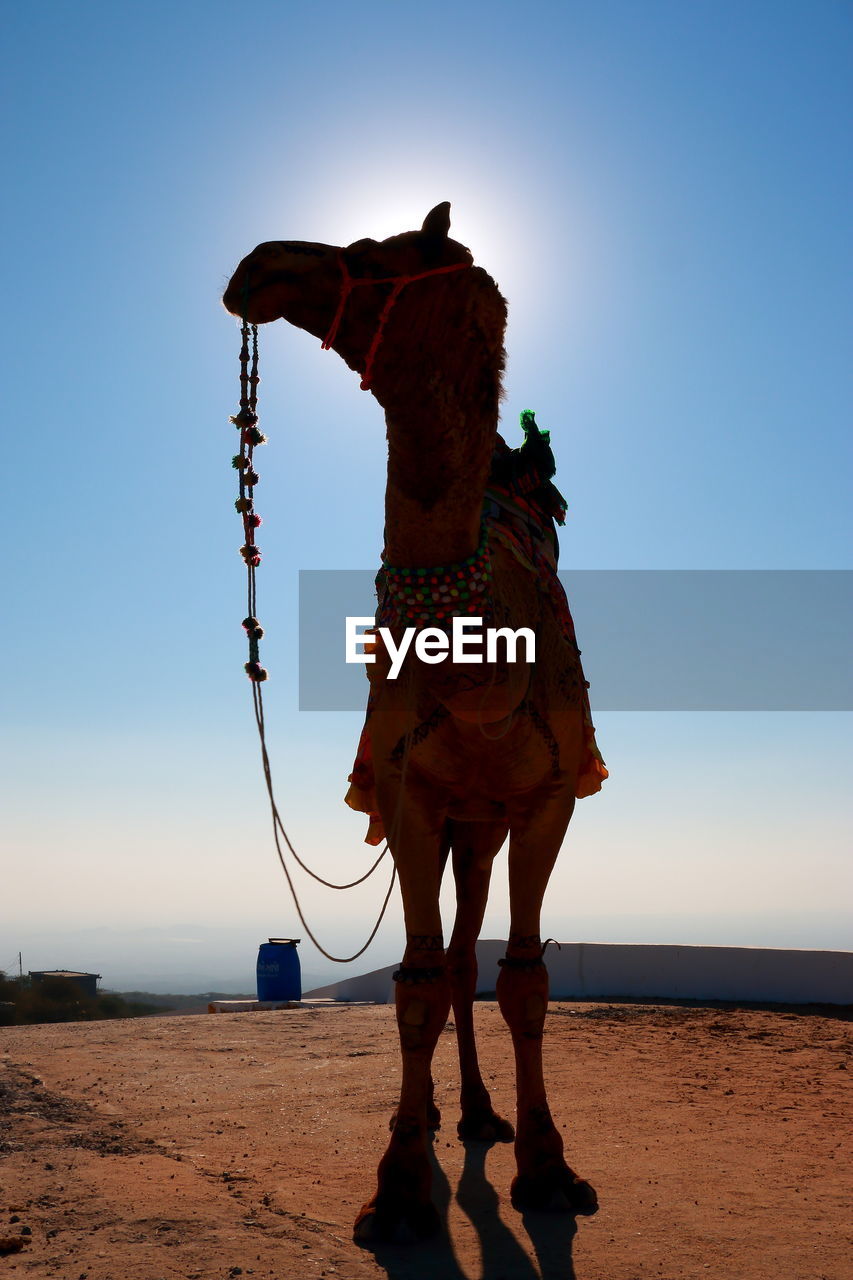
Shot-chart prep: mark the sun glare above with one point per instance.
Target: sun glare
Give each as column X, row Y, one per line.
column 346, row 205
column 531, row 250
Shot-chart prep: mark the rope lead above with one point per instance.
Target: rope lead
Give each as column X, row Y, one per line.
column 246, row 422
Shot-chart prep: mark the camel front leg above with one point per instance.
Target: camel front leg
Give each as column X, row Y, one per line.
column 474, row 847
column 544, row 1180
column 404, row 1178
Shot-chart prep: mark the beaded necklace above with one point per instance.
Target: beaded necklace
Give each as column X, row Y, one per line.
column 427, row 597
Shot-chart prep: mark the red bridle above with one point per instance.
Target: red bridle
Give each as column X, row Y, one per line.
column 348, row 283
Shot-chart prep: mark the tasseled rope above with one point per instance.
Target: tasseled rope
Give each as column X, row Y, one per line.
column 246, row 422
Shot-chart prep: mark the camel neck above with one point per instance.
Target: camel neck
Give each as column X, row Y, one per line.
column 438, row 466
column 439, row 382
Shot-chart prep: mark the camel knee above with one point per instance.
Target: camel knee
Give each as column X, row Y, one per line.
column 423, row 1002
column 462, row 969
column 522, row 991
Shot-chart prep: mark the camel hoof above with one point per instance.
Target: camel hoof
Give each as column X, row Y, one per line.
column 485, row 1126
column 554, row 1190
column 387, row 1220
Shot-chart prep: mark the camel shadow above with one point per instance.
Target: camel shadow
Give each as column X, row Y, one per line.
column 503, row 1257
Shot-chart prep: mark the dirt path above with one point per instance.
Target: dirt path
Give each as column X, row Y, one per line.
column 218, row 1146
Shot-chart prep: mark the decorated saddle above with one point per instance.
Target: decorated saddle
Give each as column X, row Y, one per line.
column 521, row 507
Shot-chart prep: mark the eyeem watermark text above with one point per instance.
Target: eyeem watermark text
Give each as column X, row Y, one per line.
column 432, row 644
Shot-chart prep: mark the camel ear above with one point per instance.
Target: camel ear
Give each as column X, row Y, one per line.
column 437, row 222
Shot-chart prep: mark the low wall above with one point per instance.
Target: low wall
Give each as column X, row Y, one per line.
column 582, row 970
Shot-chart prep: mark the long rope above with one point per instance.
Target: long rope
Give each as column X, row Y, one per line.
column 246, row 420
column 277, row 828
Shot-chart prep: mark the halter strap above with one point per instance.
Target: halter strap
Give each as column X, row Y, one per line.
column 349, row 282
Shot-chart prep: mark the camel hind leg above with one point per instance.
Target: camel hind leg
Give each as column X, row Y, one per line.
column 544, row 1179
column 474, row 845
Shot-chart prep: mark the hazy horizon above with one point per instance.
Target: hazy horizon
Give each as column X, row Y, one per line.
column 187, row 958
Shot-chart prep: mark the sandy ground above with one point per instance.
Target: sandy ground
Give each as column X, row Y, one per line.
column 244, row 1144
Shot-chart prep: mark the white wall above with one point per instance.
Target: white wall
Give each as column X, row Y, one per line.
column 586, row 969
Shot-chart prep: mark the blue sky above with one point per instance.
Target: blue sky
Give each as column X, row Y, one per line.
column 663, row 193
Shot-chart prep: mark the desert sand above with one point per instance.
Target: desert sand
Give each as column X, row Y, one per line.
column 243, row 1144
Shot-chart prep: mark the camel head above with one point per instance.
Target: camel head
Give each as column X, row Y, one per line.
column 344, row 295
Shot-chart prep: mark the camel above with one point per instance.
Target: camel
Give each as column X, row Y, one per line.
column 454, row 756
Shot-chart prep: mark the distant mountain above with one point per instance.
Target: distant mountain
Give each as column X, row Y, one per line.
column 178, row 1003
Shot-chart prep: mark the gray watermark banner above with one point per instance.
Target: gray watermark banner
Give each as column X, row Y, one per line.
column 652, row 639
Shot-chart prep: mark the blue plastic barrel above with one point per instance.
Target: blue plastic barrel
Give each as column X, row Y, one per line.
column 279, row 974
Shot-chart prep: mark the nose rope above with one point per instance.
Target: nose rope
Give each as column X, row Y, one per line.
column 349, row 282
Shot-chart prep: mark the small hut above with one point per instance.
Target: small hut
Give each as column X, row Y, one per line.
column 86, row 982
